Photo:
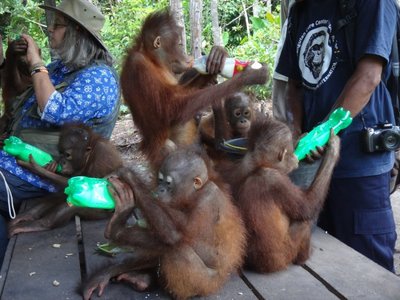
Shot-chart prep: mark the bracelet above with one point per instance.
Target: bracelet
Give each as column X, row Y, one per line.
column 3, row 64
column 38, row 70
column 37, row 65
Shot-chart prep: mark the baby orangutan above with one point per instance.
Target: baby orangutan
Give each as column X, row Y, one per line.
column 15, row 78
column 195, row 236
column 278, row 214
column 82, row 153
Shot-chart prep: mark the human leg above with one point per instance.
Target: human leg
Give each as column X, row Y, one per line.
column 358, row 212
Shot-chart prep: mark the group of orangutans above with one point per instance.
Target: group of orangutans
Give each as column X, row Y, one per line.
column 207, row 214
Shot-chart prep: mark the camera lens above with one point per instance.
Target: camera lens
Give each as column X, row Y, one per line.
column 390, row 140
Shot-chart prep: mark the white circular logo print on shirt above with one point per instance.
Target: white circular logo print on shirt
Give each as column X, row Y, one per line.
column 315, row 55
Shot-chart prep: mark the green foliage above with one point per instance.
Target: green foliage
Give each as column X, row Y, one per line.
column 261, row 46
column 124, row 109
column 123, row 22
column 29, row 19
column 16, row 19
column 232, row 19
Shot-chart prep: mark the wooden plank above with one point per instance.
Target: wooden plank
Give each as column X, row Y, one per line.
column 349, row 272
column 35, row 264
column 93, row 233
column 6, row 263
column 235, row 288
column 7, row 256
column 293, row 283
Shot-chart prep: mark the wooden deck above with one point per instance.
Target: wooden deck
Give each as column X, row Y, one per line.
column 49, row 265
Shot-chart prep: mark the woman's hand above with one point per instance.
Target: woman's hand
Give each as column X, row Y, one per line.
column 33, row 56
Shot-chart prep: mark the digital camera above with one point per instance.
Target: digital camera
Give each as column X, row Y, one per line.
column 383, row 137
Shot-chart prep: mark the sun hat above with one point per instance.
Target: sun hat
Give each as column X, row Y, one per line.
column 84, row 13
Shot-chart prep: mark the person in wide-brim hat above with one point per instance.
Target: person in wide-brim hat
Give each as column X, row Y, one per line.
column 79, row 85
column 84, row 13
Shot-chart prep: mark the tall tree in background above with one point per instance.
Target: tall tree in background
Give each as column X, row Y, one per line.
column 216, row 30
column 196, row 9
column 268, row 4
column 246, row 19
column 256, row 8
column 177, row 9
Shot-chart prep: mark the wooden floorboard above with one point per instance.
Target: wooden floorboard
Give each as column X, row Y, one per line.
column 8, row 255
column 235, row 288
column 334, row 271
column 93, row 233
column 6, row 262
column 36, row 264
column 289, row 284
column 349, row 272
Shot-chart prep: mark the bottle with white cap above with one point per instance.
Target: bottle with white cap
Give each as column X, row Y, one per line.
column 231, row 67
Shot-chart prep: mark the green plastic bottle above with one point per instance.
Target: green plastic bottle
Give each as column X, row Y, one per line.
column 319, row 136
column 90, row 192
column 21, row 150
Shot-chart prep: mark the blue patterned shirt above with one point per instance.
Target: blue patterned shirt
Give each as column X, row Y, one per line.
column 92, row 94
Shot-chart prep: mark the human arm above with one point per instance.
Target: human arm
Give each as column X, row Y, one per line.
column 354, row 96
column 93, row 92
column 375, row 29
column 360, row 86
column 294, row 99
column 41, row 81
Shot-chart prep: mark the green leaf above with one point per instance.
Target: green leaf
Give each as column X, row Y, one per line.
column 257, row 23
column 244, row 40
column 225, row 37
column 270, row 17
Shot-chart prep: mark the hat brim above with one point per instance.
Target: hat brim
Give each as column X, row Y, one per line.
column 92, row 33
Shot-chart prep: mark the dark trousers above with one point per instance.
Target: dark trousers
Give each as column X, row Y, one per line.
column 21, row 190
column 358, row 212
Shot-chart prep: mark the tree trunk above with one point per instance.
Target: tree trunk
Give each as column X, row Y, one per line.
column 216, row 30
column 246, row 18
column 196, row 8
column 268, row 5
column 256, row 8
column 177, row 9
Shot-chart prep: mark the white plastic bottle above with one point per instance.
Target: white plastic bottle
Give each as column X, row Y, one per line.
column 231, row 67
